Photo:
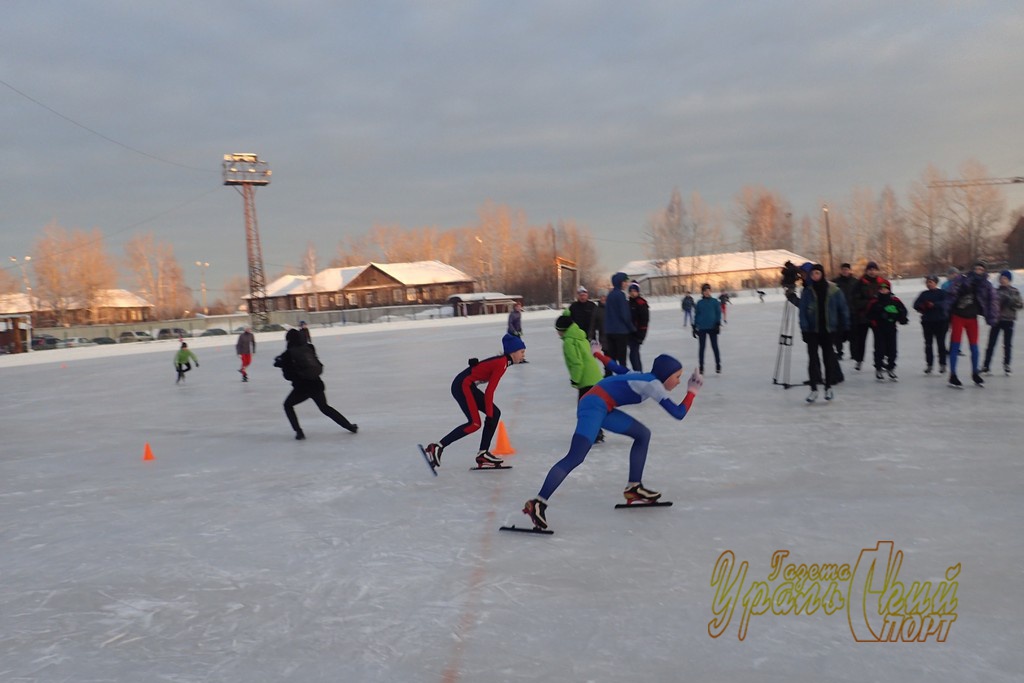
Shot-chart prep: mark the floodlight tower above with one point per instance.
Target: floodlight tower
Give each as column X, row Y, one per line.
column 245, row 172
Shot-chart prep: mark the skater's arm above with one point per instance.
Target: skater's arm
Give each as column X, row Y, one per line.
column 679, row 410
column 610, row 364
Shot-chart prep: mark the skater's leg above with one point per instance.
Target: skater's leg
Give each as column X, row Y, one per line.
column 971, row 325
column 714, row 348
column 467, row 398
column 621, row 423
column 320, row 399
column 993, row 338
column 490, row 426
column 1007, row 342
column 294, row 398
column 589, row 416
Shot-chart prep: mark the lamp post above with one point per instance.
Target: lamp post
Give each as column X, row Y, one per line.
column 24, row 277
column 203, row 265
column 828, row 237
column 485, row 264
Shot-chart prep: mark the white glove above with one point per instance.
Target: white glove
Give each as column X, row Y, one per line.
column 595, row 346
column 695, row 382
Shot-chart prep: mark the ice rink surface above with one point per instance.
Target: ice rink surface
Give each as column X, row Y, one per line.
column 240, row 554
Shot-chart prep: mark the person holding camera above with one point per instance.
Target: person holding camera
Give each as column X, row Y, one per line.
column 707, row 323
column 824, row 316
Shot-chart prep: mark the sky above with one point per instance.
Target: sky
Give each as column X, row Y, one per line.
column 116, row 115
column 242, row 555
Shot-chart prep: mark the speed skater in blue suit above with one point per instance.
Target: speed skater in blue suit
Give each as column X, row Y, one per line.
column 599, row 408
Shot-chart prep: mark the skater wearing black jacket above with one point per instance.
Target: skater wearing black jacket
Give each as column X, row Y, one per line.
column 302, row 368
column 884, row 312
column 931, row 304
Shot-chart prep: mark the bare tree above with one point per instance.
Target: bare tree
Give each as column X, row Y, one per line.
column 765, row 219
column 158, row 275
column 71, row 267
column 9, row 283
column 666, row 239
column 974, row 213
column 890, row 242
column 309, row 268
column 353, row 251
column 926, row 216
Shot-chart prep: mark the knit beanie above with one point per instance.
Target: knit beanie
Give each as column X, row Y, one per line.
column 562, row 322
column 511, row 343
column 665, row 366
column 634, row 286
column 1007, row 274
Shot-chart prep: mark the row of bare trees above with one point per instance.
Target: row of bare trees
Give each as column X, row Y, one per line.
column 935, row 226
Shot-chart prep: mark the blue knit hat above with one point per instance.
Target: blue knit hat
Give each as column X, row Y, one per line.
column 665, row 366
column 511, row 343
column 1007, row 274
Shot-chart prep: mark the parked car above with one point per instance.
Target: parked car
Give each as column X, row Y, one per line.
column 44, row 342
column 104, row 340
column 213, row 332
column 133, row 336
column 74, row 342
column 173, row 333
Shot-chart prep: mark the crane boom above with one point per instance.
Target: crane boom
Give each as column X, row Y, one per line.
column 979, row 181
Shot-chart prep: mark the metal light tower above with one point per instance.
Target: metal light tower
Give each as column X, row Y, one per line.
column 245, row 172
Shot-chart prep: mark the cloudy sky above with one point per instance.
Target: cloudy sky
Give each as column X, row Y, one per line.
column 116, row 114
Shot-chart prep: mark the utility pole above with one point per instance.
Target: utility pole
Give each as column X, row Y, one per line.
column 828, row 238
column 203, row 265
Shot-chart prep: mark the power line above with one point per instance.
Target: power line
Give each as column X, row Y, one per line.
column 101, row 135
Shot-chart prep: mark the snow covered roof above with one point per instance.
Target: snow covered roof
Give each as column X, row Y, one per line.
column 105, row 298
column 284, row 285
column 712, row 263
column 15, row 303
column 330, row 280
column 423, row 272
column 485, row 296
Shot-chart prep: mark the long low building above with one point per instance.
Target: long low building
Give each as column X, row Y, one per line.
column 373, row 284
column 736, row 270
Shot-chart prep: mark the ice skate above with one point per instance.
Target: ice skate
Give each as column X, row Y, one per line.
column 1006, row 368
column 928, row 370
column 986, row 371
column 813, row 396
column 857, row 366
column 942, row 368
column 954, row 381
column 879, row 376
column 488, row 459
column 718, row 369
column 536, row 509
column 636, row 493
column 433, row 452
column 892, row 375
column 976, row 378
column 829, row 394
column 300, row 435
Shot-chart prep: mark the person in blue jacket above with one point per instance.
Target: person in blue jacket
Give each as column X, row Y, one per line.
column 707, row 323
column 600, row 408
column 931, row 304
column 618, row 319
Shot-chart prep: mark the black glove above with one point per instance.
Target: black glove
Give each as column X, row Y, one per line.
column 694, row 331
column 197, row 364
column 804, row 335
column 718, row 328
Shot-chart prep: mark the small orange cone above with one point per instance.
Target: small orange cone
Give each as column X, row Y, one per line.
column 147, row 453
column 504, row 447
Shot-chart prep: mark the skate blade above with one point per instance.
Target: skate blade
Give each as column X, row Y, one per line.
column 655, row 504
column 527, row 530
column 426, row 458
column 490, row 467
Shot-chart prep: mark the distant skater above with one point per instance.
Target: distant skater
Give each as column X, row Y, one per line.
column 473, row 402
column 181, row 361
column 301, row 367
column 245, row 347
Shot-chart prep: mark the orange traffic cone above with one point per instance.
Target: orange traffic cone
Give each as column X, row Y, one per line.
column 503, row 447
column 147, row 453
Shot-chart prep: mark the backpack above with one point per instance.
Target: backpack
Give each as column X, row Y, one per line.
column 305, row 363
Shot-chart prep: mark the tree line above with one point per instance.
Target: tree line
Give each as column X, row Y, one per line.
column 933, row 227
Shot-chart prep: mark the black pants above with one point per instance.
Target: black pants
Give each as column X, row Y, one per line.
column 702, row 337
column 182, row 369
column 859, row 341
column 634, row 354
column 1006, row 326
column 300, row 394
column 935, row 331
column 833, row 375
column 618, row 346
column 837, row 340
column 885, row 347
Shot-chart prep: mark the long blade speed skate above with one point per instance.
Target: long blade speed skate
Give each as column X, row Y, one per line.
column 423, row 452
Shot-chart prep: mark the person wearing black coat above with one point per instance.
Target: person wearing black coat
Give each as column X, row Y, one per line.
column 582, row 311
column 291, row 363
column 931, row 304
column 845, row 282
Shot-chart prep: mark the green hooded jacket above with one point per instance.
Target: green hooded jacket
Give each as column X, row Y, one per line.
column 584, row 369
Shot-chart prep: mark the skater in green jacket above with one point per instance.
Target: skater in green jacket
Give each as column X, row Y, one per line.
column 181, row 361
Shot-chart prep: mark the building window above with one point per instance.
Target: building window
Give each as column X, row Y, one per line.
column 368, row 298
column 410, row 294
column 396, row 296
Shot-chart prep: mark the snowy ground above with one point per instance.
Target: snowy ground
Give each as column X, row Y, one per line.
column 240, row 554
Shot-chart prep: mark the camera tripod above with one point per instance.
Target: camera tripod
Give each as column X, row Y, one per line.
column 783, row 357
